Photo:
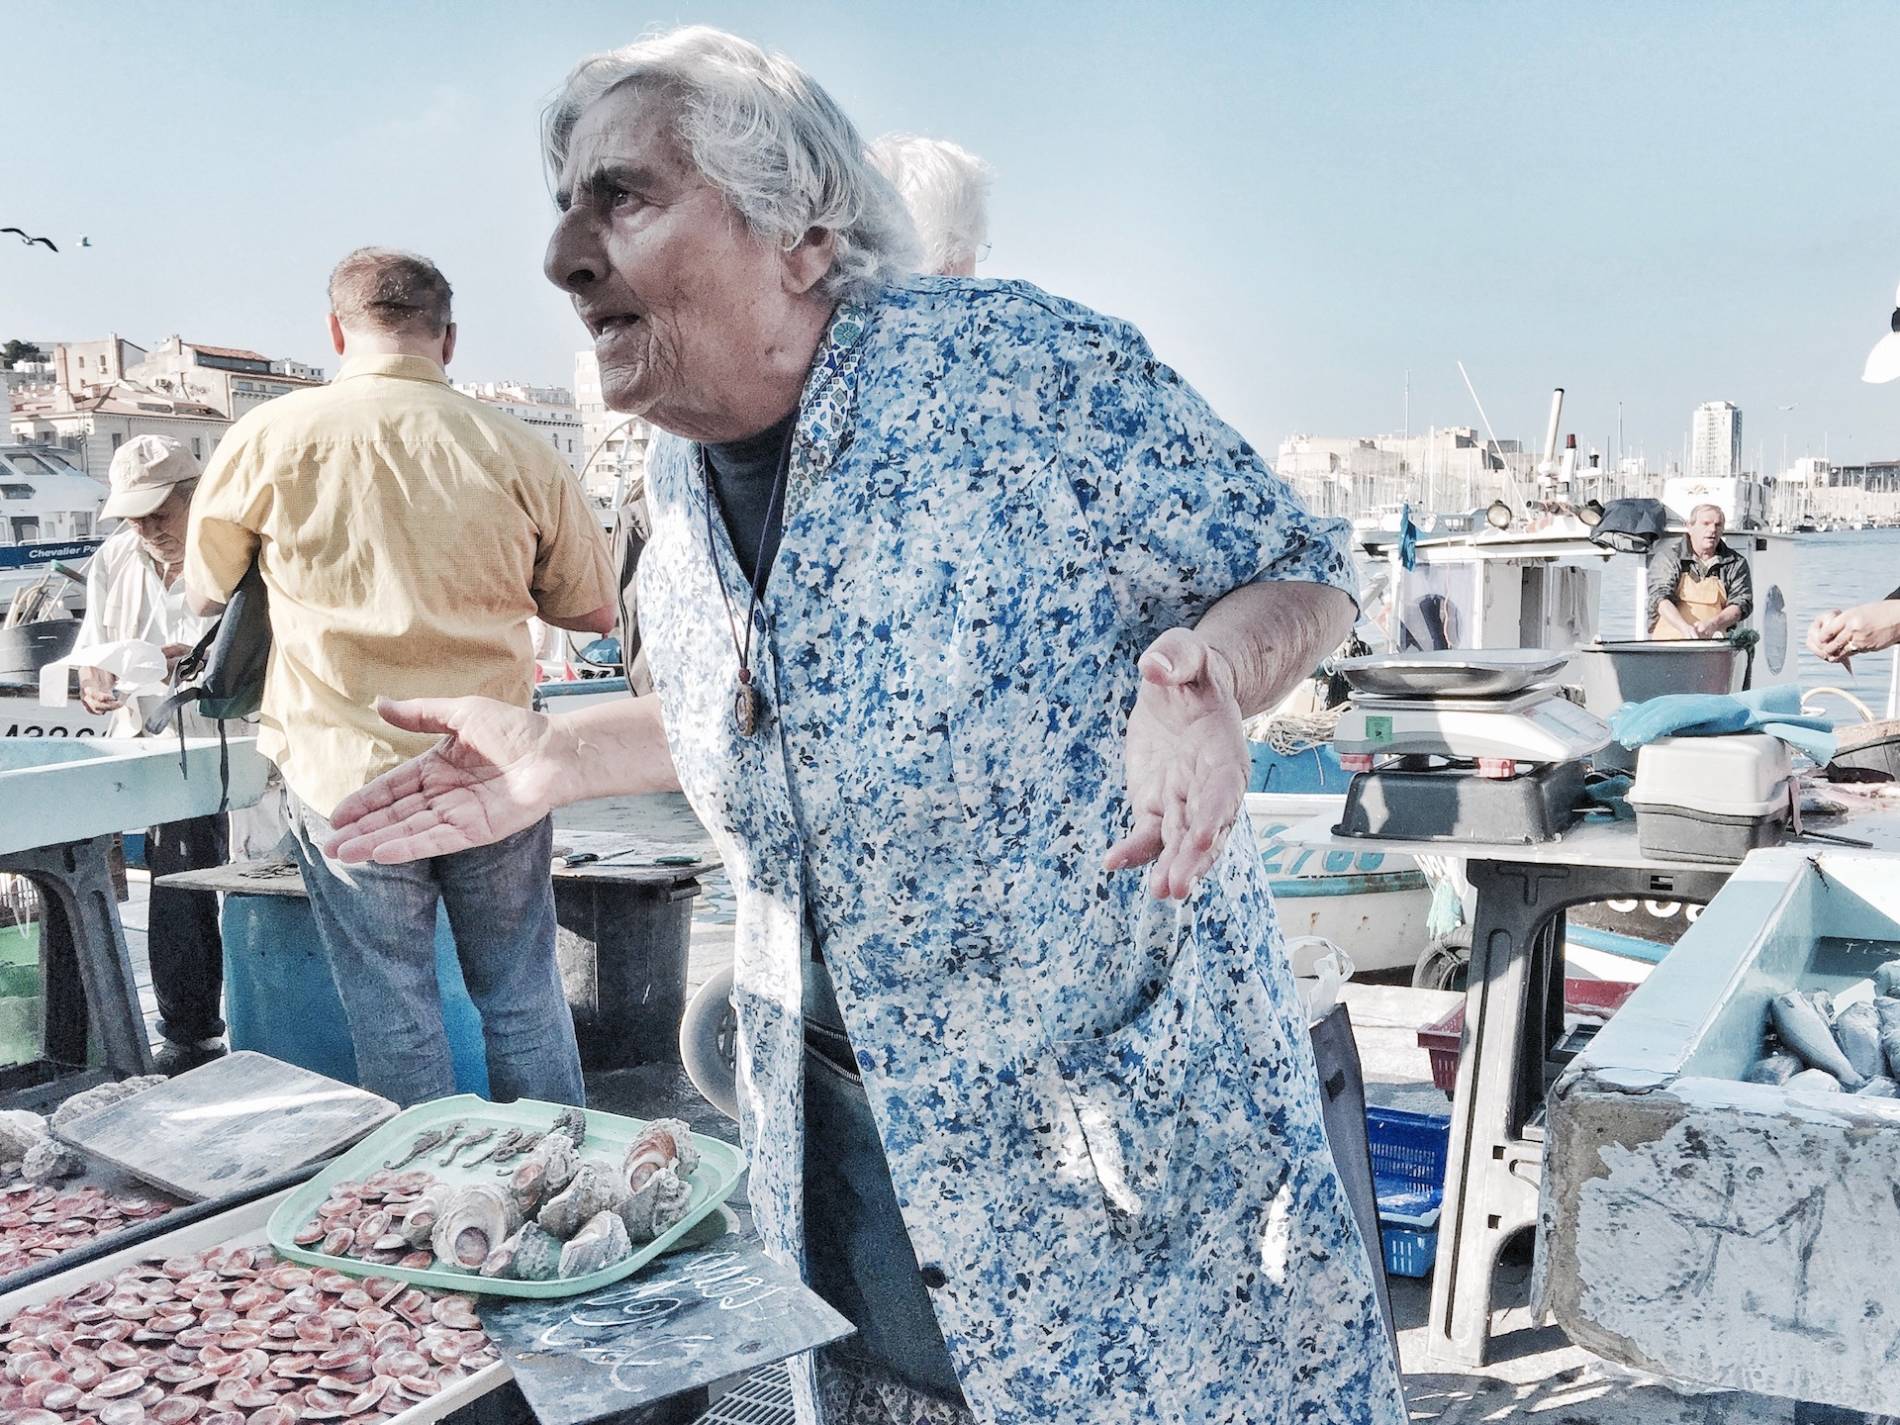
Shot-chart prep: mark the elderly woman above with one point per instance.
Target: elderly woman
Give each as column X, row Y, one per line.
column 935, row 564
column 946, row 189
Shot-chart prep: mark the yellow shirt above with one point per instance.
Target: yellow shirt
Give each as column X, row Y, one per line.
column 406, row 534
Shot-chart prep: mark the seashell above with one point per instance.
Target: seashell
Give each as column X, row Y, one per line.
column 122, row 1382
column 419, row 1221
column 457, row 1313
column 338, row 1241
column 282, row 1413
column 473, row 1223
column 121, row 1412
column 416, row 1261
column 544, row 1172
column 594, row 1189
column 663, row 1142
column 536, row 1254
column 600, row 1243
column 660, row 1202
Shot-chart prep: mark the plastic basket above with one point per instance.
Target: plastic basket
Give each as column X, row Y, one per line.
column 1444, row 1040
column 1408, row 1174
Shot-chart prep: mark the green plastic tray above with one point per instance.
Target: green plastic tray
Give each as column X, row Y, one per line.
column 608, row 1137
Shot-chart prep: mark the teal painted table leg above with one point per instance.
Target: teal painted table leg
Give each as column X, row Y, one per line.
column 82, row 940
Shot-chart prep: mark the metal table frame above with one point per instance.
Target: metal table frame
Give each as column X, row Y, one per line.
column 1513, row 1022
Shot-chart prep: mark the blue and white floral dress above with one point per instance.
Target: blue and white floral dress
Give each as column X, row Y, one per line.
column 1100, row 1111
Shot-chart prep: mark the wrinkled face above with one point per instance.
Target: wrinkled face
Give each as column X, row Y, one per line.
column 678, row 293
column 162, row 532
column 1705, row 532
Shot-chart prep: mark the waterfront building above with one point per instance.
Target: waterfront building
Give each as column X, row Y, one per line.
column 229, row 379
column 621, row 441
column 549, row 410
column 1715, row 441
column 88, row 427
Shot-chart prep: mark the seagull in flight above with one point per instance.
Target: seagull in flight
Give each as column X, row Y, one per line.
column 29, row 241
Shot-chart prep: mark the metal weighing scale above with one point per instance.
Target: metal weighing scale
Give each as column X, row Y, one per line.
column 1463, row 745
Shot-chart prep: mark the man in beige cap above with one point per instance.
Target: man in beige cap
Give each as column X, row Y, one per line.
column 134, row 590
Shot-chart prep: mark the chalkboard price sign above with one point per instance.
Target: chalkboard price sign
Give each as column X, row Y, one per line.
column 688, row 1320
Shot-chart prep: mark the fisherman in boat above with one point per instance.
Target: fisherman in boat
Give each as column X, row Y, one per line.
column 1699, row 586
column 955, row 601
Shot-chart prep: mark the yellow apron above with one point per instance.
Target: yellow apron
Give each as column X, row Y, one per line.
column 1696, row 599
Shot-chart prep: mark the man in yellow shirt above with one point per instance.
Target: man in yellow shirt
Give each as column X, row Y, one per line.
column 406, row 534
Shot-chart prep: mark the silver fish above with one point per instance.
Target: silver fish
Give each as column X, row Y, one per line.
column 1773, row 1069
column 1857, row 1031
column 1804, row 1031
column 1879, row 1086
column 1888, row 1013
column 1887, row 978
column 1814, row 1081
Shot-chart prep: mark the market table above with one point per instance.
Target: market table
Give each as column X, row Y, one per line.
column 61, row 803
column 1514, row 1026
column 623, row 905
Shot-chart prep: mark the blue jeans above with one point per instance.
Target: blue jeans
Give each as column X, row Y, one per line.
column 377, row 928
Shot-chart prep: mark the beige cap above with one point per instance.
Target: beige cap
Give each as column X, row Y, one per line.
column 144, row 470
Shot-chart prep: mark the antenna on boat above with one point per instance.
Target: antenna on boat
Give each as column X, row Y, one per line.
column 1509, row 478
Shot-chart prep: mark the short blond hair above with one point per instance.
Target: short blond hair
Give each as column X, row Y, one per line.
column 384, row 289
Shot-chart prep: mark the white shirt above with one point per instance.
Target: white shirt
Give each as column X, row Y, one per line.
column 126, row 597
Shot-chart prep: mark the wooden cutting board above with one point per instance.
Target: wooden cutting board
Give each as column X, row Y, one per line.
column 228, row 1124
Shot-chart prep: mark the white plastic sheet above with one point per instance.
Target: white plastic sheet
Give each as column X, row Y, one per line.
column 136, row 667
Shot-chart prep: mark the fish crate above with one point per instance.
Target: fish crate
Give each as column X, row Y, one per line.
column 1444, row 1040
column 1702, row 1227
column 1408, row 1175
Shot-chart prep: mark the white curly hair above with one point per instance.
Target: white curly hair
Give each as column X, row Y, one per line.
column 947, row 189
column 768, row 137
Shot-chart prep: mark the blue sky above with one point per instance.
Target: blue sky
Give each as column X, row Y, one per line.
column 1652, row 205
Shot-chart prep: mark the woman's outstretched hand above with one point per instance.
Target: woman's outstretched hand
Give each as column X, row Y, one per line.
column 495, row 772
column 1186, row 761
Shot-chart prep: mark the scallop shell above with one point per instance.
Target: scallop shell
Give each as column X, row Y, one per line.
column 473, row 1223
column 659, row 1202
column 601, row 1242
column 596, row 1188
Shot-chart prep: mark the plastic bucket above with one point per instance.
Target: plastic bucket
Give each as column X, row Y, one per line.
column 1636, row 670
column 29, row 647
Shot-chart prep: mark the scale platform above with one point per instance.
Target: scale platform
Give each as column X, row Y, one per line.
column 1456, row 804
column 1535, row 725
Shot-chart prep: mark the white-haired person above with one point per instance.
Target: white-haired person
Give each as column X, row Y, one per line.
column 946, row 189
column 955, row 599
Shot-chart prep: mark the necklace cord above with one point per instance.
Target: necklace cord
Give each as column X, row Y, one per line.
column 773, row 506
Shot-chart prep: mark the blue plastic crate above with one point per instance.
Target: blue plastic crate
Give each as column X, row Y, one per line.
column 1408, row 1174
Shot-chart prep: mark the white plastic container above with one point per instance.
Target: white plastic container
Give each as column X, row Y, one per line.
column 1711, row 798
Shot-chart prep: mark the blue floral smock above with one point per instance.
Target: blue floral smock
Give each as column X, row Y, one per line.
column 1100, row 1111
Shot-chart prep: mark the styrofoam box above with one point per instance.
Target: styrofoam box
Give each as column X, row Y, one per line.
column 1743, row 774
